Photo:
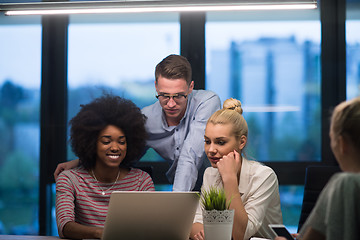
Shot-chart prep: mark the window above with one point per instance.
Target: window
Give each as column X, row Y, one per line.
column 270, row 61
column 273, row 68
column 353, row 49
column 119, row 55
column 19, row 125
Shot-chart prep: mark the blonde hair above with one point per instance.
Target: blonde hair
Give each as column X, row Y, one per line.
column 231, row 113
column 345, row 121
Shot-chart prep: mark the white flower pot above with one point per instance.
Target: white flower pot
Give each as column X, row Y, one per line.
column 218, row 224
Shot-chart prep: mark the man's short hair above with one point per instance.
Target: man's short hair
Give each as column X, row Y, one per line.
column 174, row 67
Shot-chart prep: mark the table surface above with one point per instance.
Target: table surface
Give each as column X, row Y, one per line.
column 27, row 237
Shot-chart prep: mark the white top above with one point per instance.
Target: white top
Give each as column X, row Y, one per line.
column 259, row 191
column 337, row 212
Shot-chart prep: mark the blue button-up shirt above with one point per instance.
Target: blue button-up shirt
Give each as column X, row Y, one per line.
column 182, row 146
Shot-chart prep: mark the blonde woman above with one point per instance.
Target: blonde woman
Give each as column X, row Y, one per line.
column 336, row 214
column 252, row 186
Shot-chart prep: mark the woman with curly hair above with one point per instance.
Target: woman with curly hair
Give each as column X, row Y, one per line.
column 108, row 135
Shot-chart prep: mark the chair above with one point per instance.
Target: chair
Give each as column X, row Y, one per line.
column 148, row 169
column 316, row 178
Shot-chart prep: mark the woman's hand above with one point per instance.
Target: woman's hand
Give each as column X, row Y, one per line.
column 229, row 165
column 197, row 232
column 199, row 236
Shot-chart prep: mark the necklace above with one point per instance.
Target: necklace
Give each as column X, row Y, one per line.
column 102, row 190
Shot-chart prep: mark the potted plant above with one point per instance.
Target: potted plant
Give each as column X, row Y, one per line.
column 217, row 218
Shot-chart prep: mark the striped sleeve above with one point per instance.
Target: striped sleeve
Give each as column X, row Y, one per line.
column 146, row 183
column 65, row 207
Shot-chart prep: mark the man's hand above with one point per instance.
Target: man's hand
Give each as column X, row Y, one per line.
column 65, row 166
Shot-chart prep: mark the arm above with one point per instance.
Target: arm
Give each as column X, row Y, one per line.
column 263, row 190
column 75, row 230
column 229, row 168
column 192, row 152
column 65, row 212
column 197, row 231
column 65, row 166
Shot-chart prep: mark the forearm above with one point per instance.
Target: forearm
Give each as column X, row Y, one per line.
column 186, row 175
column 75, row 230
column 240, row 216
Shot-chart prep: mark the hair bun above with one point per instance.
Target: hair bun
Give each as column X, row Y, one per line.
column 233, row 104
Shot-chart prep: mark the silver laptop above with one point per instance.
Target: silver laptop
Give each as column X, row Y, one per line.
column 150, row 215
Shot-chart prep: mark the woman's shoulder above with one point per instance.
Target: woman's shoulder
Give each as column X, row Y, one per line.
column 256, row 167
column 138, row 172
column 79, row 171
column 345, row 180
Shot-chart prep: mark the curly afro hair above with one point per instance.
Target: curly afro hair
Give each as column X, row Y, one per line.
column 97, row 115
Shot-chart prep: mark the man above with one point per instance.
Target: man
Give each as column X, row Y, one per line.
column 176, row 123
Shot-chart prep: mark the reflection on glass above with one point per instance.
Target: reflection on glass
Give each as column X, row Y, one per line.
column 352, row 58
column 273, row 68
column 20, row 52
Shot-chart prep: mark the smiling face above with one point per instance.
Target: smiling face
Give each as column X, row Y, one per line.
column 174, row 109
column 111, row 147
column 220, row 141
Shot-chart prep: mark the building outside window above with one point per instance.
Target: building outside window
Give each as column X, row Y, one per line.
column 352, row 49
column 270, row 61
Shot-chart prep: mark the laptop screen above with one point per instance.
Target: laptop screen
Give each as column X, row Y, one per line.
column 157, row 215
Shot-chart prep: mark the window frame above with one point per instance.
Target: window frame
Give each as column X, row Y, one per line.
column 54, row 93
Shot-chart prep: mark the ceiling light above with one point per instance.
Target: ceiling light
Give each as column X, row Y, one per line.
column 135, row 6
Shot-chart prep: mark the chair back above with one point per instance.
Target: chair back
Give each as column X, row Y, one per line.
column 316, row 178
column 147, row 168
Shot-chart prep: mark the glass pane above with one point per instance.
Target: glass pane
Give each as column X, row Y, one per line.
column 20, row 59
column 353, row 49
column 119, row 55
column 273, row 67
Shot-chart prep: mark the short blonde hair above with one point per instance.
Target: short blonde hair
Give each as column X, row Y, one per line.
column 345, row 121
column 231, row 113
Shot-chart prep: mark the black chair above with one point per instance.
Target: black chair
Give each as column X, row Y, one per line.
column 148, row 169
column 316, row 178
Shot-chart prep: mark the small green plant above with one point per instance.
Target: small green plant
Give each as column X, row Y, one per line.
column 214, row 198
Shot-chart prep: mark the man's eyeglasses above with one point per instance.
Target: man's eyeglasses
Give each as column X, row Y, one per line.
column 177, row 97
